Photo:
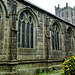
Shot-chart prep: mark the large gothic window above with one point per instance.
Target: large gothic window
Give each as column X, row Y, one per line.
column 25, row 30
column 55, row 37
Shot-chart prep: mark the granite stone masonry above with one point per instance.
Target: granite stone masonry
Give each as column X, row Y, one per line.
column 32, row 38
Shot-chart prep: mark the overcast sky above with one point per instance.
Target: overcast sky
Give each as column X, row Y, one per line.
column 49, row 5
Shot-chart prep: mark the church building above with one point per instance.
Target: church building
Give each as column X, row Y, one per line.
column 32, row 38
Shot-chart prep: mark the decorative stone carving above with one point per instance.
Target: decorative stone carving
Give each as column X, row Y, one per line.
column 13, row 48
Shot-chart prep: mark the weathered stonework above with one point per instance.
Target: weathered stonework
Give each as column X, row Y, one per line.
column 18, row 60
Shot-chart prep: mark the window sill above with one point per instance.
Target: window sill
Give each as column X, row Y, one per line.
column 26, row 48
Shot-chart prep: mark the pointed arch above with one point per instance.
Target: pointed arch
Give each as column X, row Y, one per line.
column 4, row 9
column 55, row 29
column 3, row 13
column 29, row 9
column 69, row 38
column 57, row 23
column 31, row 22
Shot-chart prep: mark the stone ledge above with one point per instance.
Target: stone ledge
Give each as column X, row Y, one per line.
column 8, row 73
column 8, row 62
column 15, row 62
column 38, row 61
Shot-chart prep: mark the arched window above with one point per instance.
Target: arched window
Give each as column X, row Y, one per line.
column 25, row 30
column 69, row 32
column 55, row 37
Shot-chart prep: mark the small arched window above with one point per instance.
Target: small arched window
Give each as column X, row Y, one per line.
column 69, row 32
column 25, row 30
column 55, row 37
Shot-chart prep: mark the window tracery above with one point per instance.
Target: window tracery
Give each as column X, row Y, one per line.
column 55, row 37
column 25, row 30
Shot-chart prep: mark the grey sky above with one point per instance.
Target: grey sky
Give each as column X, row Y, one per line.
column 49, row 5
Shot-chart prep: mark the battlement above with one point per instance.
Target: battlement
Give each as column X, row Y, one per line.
column 67, row 13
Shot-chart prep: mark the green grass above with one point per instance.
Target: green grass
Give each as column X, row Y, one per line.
column 44, row 74
column 49, row 74
column 52, row 72
column 60, row 74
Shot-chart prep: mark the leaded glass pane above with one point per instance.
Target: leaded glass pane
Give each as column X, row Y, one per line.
column 19, row 34
column 23, row 40
column 21, row 16
column 31, row 35
column 23, row 28
column 23, row 34
column 26, row 15
column 53, row 25
column 58, row 40
column 30, row 19
column 27, row 35
column 53, row 40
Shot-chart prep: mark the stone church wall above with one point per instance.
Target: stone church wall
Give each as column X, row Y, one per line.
column 22, row 61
